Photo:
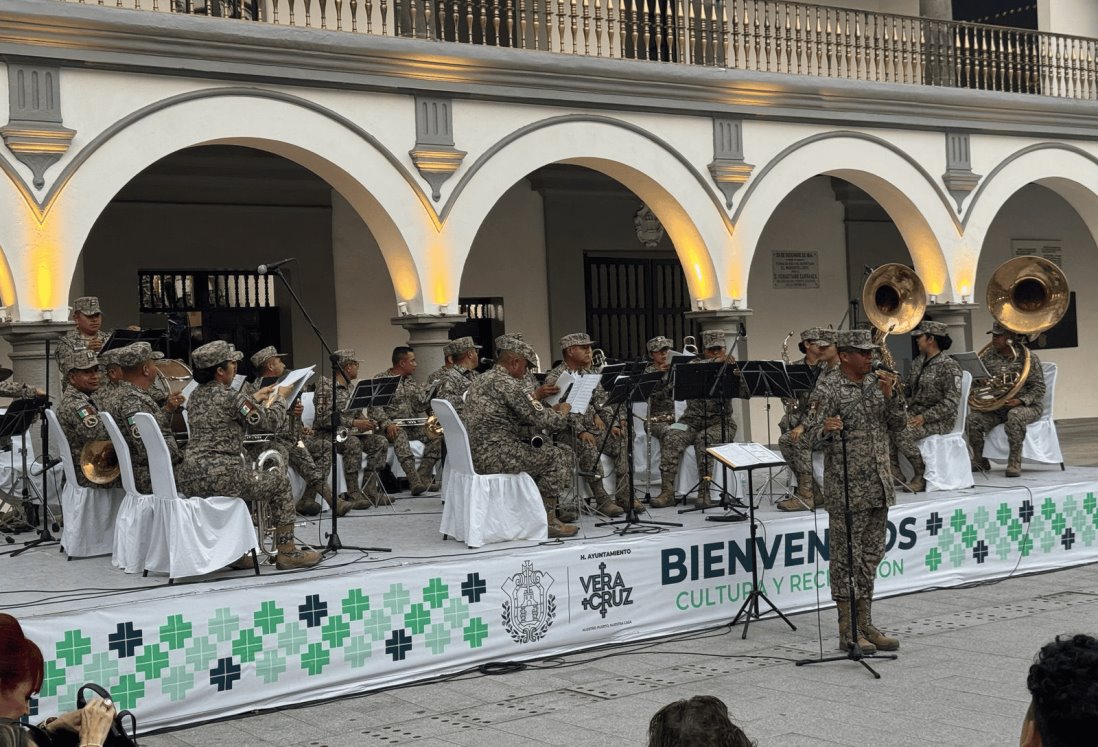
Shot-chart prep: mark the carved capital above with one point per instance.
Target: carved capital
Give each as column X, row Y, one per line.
column 435, row 156
column 34, row 132
column 729, row 170
column 436, row 164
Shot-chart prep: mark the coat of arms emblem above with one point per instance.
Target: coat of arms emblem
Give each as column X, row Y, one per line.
column 529, row 608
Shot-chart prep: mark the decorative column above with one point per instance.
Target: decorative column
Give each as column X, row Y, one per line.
column 729, row 320
column 28, row 358
column 428, row 334
column 958, row 318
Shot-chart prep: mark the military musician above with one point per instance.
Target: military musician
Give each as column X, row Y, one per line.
column 77, row 411
column 674, row 437
column 463, row 357
column 408, row 404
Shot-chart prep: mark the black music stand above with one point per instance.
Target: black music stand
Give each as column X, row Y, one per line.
column 120, row 338
column 16, row 421
column 368, row 393
column 767, row 379
column 708, row 382
column 747, row 458
column 626, row 391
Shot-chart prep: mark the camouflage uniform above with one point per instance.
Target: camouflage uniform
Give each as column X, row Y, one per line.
column 498, row 415
column 867, row 420
column 932, row 389
column 587, row 454
column 703, row 416
column 453, row 382
column 798, row 454
column 126, row 401
column 79, row 418
column 661, row 417
column 16, row 390
column 410, row 401
column 1032, row 396
column 373, row 445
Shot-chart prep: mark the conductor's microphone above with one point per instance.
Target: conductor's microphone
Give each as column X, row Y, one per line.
column 880, row 366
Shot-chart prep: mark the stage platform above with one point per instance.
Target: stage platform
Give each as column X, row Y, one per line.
column 234, row 643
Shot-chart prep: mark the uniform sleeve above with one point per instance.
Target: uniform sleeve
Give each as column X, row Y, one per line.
column 947, row 386
column 824, row 403
column 250, row 413
column 16, row 389
column 1033, row 391
column 895, row 412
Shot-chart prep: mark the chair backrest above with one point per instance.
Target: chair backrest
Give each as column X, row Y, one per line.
column 161, row 473
column 121, row 452
column 459, row 457
column 962, row 406
column 308, row 409
column 63, row 450
column 1049, row 370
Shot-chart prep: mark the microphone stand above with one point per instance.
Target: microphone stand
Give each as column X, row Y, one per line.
column 334, row 543
column 44, row 535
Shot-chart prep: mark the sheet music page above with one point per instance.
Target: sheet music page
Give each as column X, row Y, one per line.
column 582, row 389
column 738, row 455
column 564, row 382
column 298, row 378
column 238, row 381
column 186, row 391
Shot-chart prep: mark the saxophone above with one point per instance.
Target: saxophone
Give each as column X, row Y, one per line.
column 792, row 404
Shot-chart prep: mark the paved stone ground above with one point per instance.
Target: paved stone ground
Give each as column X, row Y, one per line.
column 960, row 678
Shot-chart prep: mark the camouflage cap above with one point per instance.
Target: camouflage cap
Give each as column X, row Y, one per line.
column 459, row 346
column 345, row 356
column 87, row 305
column 135, row 354
column 713, row 338
column 576, row 338
column 860, row 339
column 810, row 335
column 826, row 338
column 927, row 327
column 998, row 329
column 213, row 353
column 515, row 345
column 660, row 343
column 264, row 355
column 81, row 360
column 107, row 357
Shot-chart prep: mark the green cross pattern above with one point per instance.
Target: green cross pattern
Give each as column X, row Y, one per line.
column 1048, row 508
column 1003, row 547
column 436, row 593
column 101, row 668
column 175, row 632
column 127, row 692
column 357, row 651
column 268, row 617
column 270, row 666
column 1087, row 535
column 335, row 630
column 456, row 613
column 1004, row 514
column 475, row 632
column 355, row 604
column 376, row 625
column 980, row 517
column 437, row 639
column 291, row 639
column 397, row 599
column 417, row 619
column 152, row 661
column 969, row 536
column 53, row 677
column 933, row 559
column 177, row 683
column 1090, row 504
column 247, row 645
column 315, row 659
column 200, row 653
column 224, row 624
column 958, row 520
column 74, row 648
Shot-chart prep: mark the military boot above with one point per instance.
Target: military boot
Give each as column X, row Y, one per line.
column 289, row 555
column 567, row 514
column 917, row 483
column 872, row 634
column 557, row 528
column 703, row 500
column 426, row 470
column 359, row 500
column 415, row 484
column 803, row 498
column 604, row 504
column 306, row 505
column 1014, row 464
column 667, row 491
column 341, row 506
column 843, row 608
column 374, row 493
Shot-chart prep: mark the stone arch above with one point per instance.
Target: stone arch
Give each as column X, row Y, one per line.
column 351, row 161
column 620, row 150
column 892, row 177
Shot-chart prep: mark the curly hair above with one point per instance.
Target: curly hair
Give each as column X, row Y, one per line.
column 701, row 721
column 20, row 658
column 1063, row 681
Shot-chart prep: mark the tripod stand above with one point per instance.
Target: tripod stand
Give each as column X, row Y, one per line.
column 626, row 391
column 18, row 419
column 854, row 653
column 367, row 394
column 749, row 457
column 334, row 543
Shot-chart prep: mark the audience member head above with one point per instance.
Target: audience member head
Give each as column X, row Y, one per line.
column 21, row 668
column 701, row 721
column 1063, row 682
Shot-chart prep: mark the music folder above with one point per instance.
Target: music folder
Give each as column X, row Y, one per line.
column 120, row 338
column 745, row 456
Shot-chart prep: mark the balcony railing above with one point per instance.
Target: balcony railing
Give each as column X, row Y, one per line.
column 760, row 35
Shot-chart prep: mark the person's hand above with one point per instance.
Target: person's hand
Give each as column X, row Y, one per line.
column 39, row 392
column 886, row 382
column 65, row 722
column 262, row 394
column 546, row 390
column 95, row 344
column 616, row 431
column 563, row 408
column 284, row 392
column 1013, row 402
column 174, row 402
column 796, row 433
column 133, row 328
column 588, row 438
column 916, row 422
column 599, row 424
column 95, row 722
column 833, row 424
column 363, row 424
column 391, row 431
column 307, row 430
column 298, row 409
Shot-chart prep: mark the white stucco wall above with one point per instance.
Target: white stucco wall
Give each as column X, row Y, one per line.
column 1073, row 17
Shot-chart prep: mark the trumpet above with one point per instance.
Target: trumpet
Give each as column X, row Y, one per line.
column 537, row 440
column 342, row 434
column 409, row 422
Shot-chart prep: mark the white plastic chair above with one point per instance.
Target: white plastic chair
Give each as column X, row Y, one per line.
column 297, row 484
column 89, row 513
column 191, row 536
column 480, row 509
column 1042, row 443
column 133, row 525
column 946, row 456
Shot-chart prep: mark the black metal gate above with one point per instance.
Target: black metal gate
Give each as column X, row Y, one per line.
column 630, row 300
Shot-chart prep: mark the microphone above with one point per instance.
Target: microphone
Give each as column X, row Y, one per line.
column 264, row 269
column 487, row 361
column 879, row 366
column 743, row 331
column 38, row 469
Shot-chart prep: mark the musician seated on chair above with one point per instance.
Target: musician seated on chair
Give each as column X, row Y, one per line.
column 89, row 332
column 500, row 413
column 463, row 357
column 674, row 437
column 1003, row 359
column 78, row 413
column 215, row 464
column 818, row 346
column 131, row 396
column 589, row 429
column 932, row 389
column 289, row 443
column 409, row 403
column 356, row 435
column 704, row 417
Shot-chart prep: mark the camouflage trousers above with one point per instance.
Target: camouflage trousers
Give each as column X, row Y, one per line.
column 550, row 464
column 295, row 455
column 798, row 455
column 587, row 457
column 232, row 477
column 673, row 442
column 709, row 438
column 1016, row 419
column 870, row 529
column 374, row 446
column 141, row 478
column 906, row 442
column 432, row 449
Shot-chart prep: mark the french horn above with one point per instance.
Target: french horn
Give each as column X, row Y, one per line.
column 99, row 463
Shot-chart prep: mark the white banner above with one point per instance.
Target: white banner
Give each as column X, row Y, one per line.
column 191, row 657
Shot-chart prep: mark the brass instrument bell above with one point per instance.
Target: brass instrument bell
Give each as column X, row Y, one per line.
column 99, row 463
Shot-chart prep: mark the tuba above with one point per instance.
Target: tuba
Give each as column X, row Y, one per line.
column 894, row 300
column 1027, row 295
column 99, row 463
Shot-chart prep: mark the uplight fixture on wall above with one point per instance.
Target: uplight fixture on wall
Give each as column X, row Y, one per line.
column 933, row 298
column 47, row 315
column 443, row 309
column 701, row 305
column 735, row 303
column 402, row 308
